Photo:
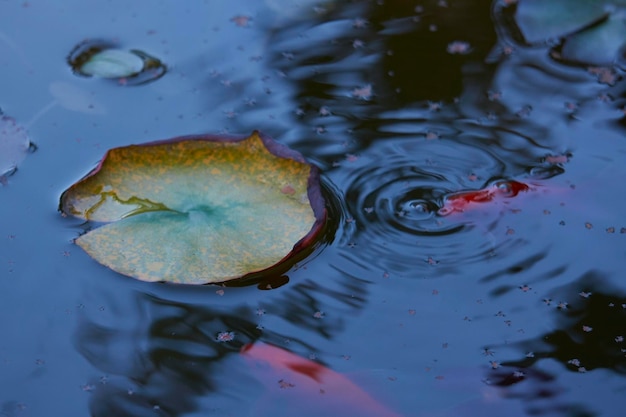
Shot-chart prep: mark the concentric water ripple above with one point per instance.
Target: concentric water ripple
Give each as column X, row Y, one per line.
column 394, row 193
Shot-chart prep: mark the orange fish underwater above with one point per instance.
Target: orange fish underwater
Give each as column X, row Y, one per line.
column 302, row 387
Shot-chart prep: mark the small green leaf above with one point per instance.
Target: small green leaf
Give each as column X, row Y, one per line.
column 197, row 210
column 113, row 63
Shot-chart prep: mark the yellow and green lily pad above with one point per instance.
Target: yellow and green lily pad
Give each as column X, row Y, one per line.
column 198, row 209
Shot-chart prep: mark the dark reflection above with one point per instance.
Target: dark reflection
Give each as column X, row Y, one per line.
column 538, row 391
column 163, row 361
column 162, row 356
column 403, row 106
column 590, row 327
column 435, row 71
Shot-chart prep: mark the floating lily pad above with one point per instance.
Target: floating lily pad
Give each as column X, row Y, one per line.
column 591, row 32
column 107, row 60
column 198, row 210
column 14, row 146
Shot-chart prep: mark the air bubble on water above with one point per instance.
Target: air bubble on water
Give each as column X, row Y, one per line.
column 241, row 20
column 359, row 23
column 320, row 130
column 230, row 114
column 504, row 186
column 363, row 93
column 435, row 106
column 604, row 75
column 324, row 111
column 357, row 43
column 225, row 336
column 430, row 135
column 459, row 48
column 494, row 95
column 419, row 207
column 524, row 112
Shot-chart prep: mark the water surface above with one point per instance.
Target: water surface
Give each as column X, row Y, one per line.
column 513, row 307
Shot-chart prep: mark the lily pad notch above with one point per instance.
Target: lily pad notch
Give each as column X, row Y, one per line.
column 198, row 209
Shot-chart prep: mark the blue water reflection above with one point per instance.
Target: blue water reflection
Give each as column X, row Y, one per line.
column 489, row 311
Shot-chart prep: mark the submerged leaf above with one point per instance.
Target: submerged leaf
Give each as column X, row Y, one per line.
column 14, row 145
column 591, row 32
column 600, row 45
column 197, row 209
column 541, row 20
column 74, row 98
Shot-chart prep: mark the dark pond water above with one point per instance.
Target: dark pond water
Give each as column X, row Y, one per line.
column 513, row 307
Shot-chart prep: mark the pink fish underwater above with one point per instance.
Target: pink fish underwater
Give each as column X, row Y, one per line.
column 463, row 200
column 298, row 385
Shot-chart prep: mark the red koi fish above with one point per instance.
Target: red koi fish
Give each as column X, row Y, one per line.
column 299, row 386
column 500, row 189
